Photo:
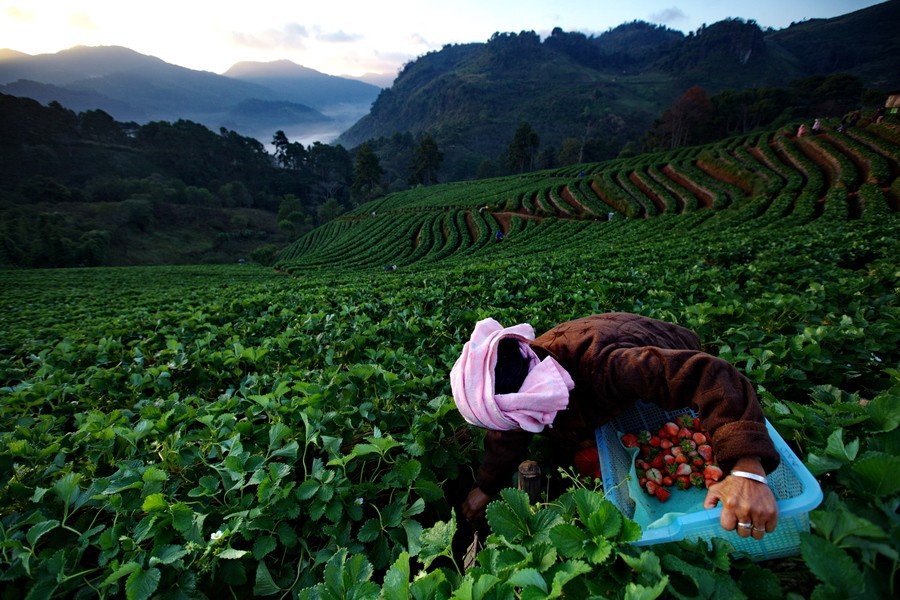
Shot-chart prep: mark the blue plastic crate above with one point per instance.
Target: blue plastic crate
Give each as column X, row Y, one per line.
column 796, row 492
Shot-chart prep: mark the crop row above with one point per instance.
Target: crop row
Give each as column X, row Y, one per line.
column 756, row 180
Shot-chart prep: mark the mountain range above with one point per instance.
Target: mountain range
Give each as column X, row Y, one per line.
column 470, row 98
column 610, row 88
column 253, row 99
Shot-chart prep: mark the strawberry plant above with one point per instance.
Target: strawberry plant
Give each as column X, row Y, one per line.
column 231, row 430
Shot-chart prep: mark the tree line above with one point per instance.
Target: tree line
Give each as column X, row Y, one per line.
column 128, row 174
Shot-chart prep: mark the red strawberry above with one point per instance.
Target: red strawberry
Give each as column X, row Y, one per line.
column 651, row 487
column 669, row 430
column 684, row 469
column 629, row 440
column 676, row 451
column 658, row 462
column 667, row 480
column 712, row 472
column 654, row 441
column 654, row 475
column 665, row 444
column 696, row 424
column 662, row 494
column 699, row 438
column 684, row 433
column 698, row 462
column 706, row 451
column 682, row 459
column 683, row 482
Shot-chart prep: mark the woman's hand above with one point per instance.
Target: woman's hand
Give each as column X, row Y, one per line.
column 747, row 505
column 475, row 504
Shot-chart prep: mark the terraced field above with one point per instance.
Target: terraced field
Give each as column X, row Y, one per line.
column 769, row 179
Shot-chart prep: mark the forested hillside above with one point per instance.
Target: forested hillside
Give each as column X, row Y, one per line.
column 589, row 98
column 81, row 189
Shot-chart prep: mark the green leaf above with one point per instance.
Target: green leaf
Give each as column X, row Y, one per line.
column 67, row 489
column 432, row 586
column 566, row 573
column 126, row 569
column 182, row 517
column 646, row 566
column 528, row 577
column 876, row 473
column 308, row 489
column 370, row 530
column 415, row 508
column 819, row 465
column 413, row 531
column 167, row 554
column 715, row 585
column 831, row 565
column 437, row 540
column 569, row 540
column 232, row 553
column 349, row 578
column 511, row 517
column 837, row 449
column 606, row 521
column 264, row 585
column 597, row 550
column 277, row 433
column 289, row 450
column 636, row 591
column 154, row 503
column 835, row 524
column 154, row 474
column 884, row 410
column 36, row 531
column 396, row 580
column 141, row 584
column 263, row 545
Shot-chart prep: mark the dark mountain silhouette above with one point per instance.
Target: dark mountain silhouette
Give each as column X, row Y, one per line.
column 134, row 87
column 296, row 83
column 472, row 97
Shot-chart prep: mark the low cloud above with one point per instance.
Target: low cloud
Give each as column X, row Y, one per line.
column 293, row 36
column 81, row 21
column 19, row 14
column 339, row 37
column 668, row 16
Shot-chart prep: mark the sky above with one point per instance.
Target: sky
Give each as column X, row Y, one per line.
column 351, row 37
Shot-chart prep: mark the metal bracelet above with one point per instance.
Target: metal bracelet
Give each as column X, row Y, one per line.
column 752, row 476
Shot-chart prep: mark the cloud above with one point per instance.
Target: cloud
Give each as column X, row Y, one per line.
column 668, row 16
column 417, row 40
column 339, row 37
column 81, row 21
column 292, row 36
column 19, row 14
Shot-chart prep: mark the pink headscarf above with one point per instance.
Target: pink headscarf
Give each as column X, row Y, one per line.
column 544, row 392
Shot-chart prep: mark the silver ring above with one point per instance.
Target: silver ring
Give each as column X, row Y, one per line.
column 758, row 529
column 745, row 525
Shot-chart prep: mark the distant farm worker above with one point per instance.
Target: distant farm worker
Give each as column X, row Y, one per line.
column 801, row 131
column 582, row 374
column 817, row 127
column 499, row 236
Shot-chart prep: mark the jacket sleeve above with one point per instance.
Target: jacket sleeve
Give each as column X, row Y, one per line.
column 503, row 451
column 721, row 395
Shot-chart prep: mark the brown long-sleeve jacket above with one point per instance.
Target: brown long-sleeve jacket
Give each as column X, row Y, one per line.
column 617, row 358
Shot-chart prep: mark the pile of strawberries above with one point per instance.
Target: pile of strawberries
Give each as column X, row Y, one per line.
column 678, row 455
